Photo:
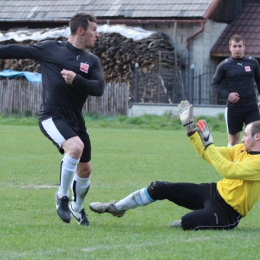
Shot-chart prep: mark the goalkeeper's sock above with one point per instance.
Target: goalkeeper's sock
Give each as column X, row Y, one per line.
column 134, row 200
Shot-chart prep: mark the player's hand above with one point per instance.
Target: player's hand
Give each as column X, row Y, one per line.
column 185, row 111
column 233, row 97
column 68, row 76
column 204, row 133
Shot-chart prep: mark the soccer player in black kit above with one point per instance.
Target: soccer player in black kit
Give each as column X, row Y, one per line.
column 239, row 73
column 70, row 72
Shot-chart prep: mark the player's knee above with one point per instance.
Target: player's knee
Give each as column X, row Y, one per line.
column 74, row 147
column 187, row 223
column 155, row 189
column 151, row 189
column 78, row 147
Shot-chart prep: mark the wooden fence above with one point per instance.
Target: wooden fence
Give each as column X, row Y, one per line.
column 21, row 96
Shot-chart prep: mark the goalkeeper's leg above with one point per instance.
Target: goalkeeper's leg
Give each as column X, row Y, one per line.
column 189, row 195
column 213, row 216
column 138, row 198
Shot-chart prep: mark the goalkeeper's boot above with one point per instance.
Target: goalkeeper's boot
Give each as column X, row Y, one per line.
column 62, row 208
column 101, row 208
column 176, row 223
column 81, row 217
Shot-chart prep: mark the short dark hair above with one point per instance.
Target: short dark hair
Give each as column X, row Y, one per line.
column 81, row 20
column 237, row 38
column 255, row 128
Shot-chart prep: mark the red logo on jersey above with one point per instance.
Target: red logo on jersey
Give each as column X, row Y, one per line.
column 84, row 67
column 247, row 68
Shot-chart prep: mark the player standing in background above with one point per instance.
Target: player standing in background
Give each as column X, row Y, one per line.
column 70, row 72
column 218, row 205
column 239, row 73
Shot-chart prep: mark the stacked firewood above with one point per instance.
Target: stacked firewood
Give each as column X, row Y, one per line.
column 119, row 56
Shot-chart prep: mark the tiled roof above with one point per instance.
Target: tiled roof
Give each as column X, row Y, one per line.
column 64, row 9
column 247, row 24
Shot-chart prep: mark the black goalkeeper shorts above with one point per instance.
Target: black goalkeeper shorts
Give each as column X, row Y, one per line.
column 210, row 211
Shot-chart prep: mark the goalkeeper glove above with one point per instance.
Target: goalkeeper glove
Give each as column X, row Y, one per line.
column 185, row 111
column 204, row 133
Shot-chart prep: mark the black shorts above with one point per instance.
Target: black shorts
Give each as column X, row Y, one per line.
column 58, row 131
column 237, row 116
column 210, row 211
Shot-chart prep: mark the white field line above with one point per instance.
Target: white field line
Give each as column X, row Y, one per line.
column 109, row 247
column 39, row 186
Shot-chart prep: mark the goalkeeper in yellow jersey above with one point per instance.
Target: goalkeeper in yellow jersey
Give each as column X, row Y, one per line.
column 218, row 205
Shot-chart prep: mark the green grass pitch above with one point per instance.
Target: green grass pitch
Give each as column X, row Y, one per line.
column 124, row 160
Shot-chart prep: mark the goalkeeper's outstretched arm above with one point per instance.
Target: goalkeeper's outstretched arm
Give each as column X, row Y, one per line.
column 185, row 111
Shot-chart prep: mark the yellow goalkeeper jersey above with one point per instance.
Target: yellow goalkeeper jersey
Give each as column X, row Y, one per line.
column 240, row 187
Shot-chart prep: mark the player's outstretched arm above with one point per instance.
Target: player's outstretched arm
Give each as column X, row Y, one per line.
column 185, row 111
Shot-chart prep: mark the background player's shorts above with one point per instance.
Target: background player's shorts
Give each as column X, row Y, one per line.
column 237, row 116
column 58, row 131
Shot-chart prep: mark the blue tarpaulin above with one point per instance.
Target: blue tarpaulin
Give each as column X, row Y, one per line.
column 30, row 76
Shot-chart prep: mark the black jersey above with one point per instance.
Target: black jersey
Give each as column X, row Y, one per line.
column 238, row 75
column 61, row 100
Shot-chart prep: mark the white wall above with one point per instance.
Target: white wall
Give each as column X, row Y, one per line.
column 161, row 109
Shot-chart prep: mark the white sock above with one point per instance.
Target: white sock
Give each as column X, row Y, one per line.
column 229, row 145
column 68, row 169
column 136, row 199
column 80, row 187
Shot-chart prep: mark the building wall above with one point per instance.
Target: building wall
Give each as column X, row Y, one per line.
column 199, row 46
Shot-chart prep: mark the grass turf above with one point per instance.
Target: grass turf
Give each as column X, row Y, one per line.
column 124, row 160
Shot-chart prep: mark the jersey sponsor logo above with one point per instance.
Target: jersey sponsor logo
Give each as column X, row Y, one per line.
column 247, row 68
column 84, row 67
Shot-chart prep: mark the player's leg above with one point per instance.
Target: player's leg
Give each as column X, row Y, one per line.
column 214, row 215
column 233, row 139
column 81, row 182
column 252, row 114
column 234, row 117
column 117, row 209
column 66, row 140
column 73, row 149
column 184, row 194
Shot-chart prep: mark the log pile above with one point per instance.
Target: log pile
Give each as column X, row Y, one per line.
column 118, row 56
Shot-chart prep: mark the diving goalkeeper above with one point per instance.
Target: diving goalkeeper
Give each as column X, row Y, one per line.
column 218, row 205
